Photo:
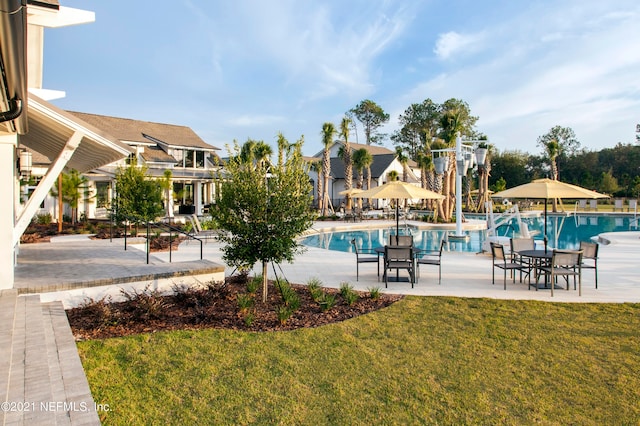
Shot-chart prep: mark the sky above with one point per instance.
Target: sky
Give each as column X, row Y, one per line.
column 233, row 70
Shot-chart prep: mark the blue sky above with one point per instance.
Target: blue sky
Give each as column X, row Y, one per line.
column 250, row 69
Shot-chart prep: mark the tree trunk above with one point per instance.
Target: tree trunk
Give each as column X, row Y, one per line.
column 264, row 281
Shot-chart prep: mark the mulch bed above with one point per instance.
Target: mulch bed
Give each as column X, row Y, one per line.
column 215, row 306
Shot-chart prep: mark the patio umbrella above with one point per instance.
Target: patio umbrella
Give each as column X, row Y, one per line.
column 546, row 189
column 399, row 190
column 351, row 192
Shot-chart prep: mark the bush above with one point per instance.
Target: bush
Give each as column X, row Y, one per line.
column 374, row 293
column 245, row 302
column 327, row 301
column 314, row 285
column 43, row 219
column 289, row 296
column 347, row 293
column 145, row 304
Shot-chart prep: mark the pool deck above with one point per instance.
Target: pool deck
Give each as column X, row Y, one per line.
column 463, row 274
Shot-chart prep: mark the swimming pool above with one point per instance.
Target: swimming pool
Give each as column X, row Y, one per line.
column 563, row 232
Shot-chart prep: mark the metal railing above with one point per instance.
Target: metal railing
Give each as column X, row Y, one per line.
column 164, row 227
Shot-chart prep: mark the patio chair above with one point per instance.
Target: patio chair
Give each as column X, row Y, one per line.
column 517, row 245
column 633, row 205
column 590, row 254
column 432, row 258
column 564, row 263
column 401, row 240
column 198, row 232
column 617, row 205
column 593, row 205
column 582, row 204
column 397, row 257
column 504, row 263
column 364, row 259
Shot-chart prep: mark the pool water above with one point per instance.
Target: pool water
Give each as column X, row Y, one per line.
column 563, row 232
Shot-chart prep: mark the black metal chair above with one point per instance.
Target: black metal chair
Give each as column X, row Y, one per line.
column 501, row 261
column 364, row 259
column 590, row 254
column 399, row 257
column 431, row 258
column 401, row 240
column 519, row 244
column 564, row 263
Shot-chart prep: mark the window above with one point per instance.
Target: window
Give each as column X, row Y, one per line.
column 102, row 194
column 199, row 159
column 188, row 158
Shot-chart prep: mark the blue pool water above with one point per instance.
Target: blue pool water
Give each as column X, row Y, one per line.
column 563, row 232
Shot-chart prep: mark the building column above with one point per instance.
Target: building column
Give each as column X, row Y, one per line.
column 8, row 143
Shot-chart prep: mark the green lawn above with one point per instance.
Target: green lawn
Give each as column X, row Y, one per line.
column 423, row 360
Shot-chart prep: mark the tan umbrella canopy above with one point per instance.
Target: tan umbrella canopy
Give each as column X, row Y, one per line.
column 547, row 189
column 399, row 190
column 352, row 191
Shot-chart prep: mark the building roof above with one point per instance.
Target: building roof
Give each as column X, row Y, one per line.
column 373, row 149
column 154, row 154
column 379, row 165
column 50, row 129
column 128, row 130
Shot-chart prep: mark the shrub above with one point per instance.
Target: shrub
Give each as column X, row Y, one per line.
column 43, row 219
column 284, row 312
column 100, row 312
column 245, row 302
column 314, row 285
column 374, row 293
column 145, row 304
column 254, row 284
column 327, row 301
column 289, row 296
column 345, row 288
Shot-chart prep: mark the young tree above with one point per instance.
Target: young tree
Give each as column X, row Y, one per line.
column 372, row 116
column 138, row 197
column 74, row 188
column 263, row 209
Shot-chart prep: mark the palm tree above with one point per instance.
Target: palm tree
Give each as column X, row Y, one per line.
column 346, row 157
column 425, row 162
column 283, row 145
column 328, row 132
column 404, row 160
column 553, row 150
column 359, row 159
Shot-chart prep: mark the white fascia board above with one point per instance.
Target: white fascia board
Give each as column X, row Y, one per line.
column 64, row 17
column 48, row 94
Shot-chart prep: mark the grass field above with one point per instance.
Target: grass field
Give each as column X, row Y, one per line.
column 424, row 360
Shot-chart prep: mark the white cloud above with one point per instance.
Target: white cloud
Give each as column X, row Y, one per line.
column 453, row 43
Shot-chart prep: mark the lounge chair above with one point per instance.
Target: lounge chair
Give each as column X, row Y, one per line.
column 501, row 261
column 590, row 254
column 198, row 232
column 364, row 259
column 617, row 205
column 397, row 257
column 633, row 205
column 432, row 258
column 593, row 205
column 582, row 204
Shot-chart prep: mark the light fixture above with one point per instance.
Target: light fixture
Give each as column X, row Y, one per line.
column 25, row 163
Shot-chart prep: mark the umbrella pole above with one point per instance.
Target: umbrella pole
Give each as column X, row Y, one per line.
column 397, row 222
column 545, row 225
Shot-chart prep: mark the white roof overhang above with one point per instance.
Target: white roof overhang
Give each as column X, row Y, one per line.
column 50, row 128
